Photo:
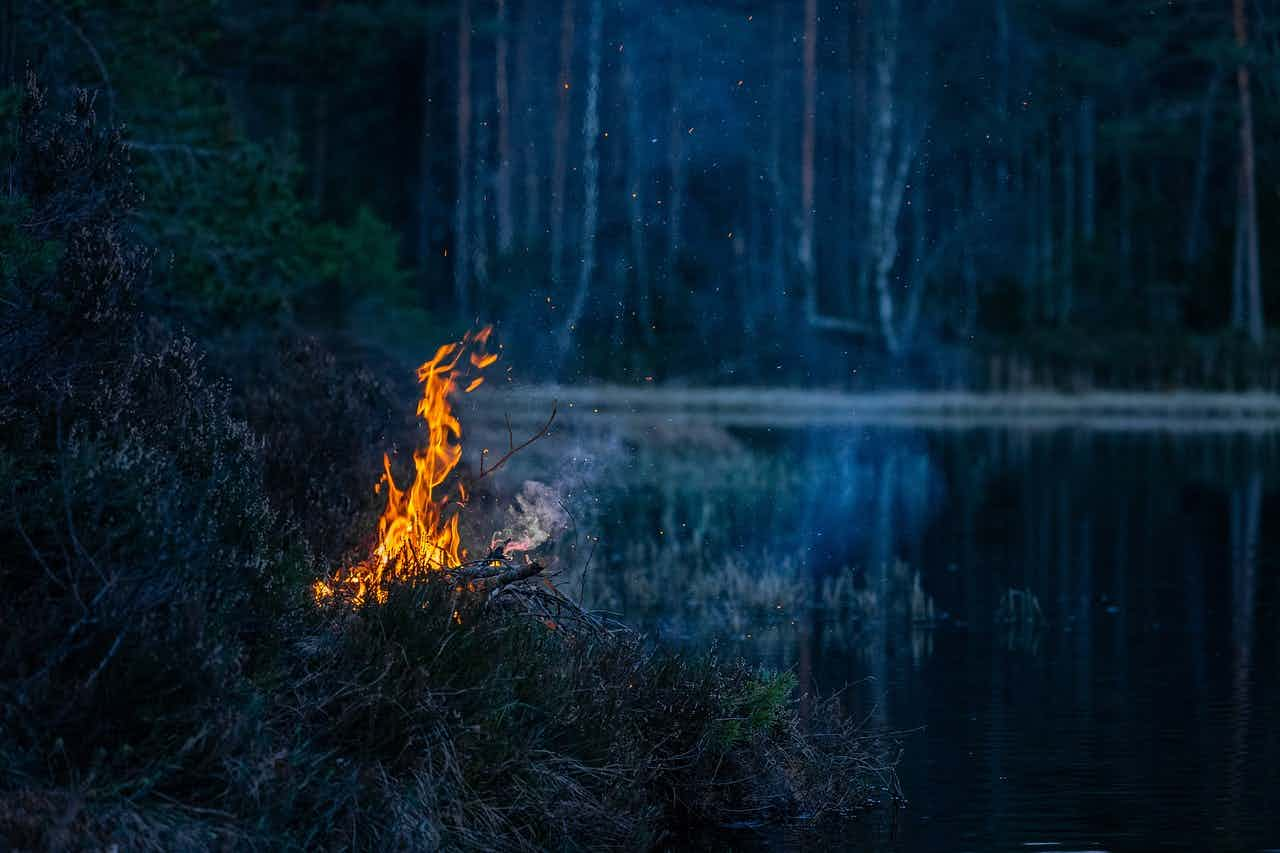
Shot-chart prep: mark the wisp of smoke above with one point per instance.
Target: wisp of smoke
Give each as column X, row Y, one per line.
column 538, row 515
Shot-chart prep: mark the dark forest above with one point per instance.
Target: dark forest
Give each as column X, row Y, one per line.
column 849, row 194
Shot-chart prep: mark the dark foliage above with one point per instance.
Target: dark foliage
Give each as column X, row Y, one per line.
column 323, row 423
column 138, row 548
column 166, row 680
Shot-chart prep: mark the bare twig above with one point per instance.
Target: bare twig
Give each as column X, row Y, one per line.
column 582, row 582
column 35, row 552
column 110, row 654
column 541, row 433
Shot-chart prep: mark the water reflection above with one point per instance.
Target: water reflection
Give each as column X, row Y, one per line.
column 1138, row 705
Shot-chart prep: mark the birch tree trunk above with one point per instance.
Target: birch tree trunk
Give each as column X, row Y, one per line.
column 636, row 199
column 807, row 144
column 502, row 184
column 561, row 143
column 886, row 187
column 862, row 109
column 1247, row 208
column 462, row 224
column 919, row 224
column 528, row 127
column 807, row 219
column 675, row 193
column 845, row 164
column 590, row 180
column 778, row 218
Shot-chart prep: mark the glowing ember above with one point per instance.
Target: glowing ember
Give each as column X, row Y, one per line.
column 418, row 530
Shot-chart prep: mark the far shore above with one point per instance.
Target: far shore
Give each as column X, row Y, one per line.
column 1211, row 411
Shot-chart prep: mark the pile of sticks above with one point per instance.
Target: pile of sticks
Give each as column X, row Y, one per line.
column 505, row 582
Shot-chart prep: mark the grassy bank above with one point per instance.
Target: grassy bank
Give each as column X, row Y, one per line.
column 166, row 678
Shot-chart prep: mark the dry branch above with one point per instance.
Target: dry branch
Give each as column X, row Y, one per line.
column 541, row 433
column 495, row 571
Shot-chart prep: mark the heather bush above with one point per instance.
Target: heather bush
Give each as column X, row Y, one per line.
column 138, row 552
column 323, row 425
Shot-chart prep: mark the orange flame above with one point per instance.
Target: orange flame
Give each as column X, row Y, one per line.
column 422, row 519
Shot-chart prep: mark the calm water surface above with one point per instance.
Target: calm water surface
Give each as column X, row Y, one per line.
column 1139, row 711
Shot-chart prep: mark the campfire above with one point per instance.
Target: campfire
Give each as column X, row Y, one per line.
column 419, row 530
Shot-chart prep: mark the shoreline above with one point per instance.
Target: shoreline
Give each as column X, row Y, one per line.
column 1181, row 411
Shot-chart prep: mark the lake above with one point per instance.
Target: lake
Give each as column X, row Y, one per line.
column 1076, row 630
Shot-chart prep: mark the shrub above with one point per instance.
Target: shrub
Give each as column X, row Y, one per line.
column 137, row 549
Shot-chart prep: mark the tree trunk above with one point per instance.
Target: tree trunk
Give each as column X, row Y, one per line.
column 1029, row 224
column 845, row 164
column 919, row 224
column 862, row 110
column 807, row 220
column 528, row 127
column 8, row 41
column 1046, row 221
column 1004, row 89
column 1088, row 131
column 561, row 143
column 462, row 223
column 532, row 196
column 502, row 186
column 675, row 193
column 969, row 270
column 636, row 199
column 778, row 216
column 1068, row 223
column 749, row 285
column 1238, row 311
column 885, row 191
column 1204, row 153
column 805, row 253
column 1248, row 205
column 426, row 186
column 590, row 180
column 1126, row 217
column 480, row 207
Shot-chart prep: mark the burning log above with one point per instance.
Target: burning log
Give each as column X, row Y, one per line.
column 494, row 572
